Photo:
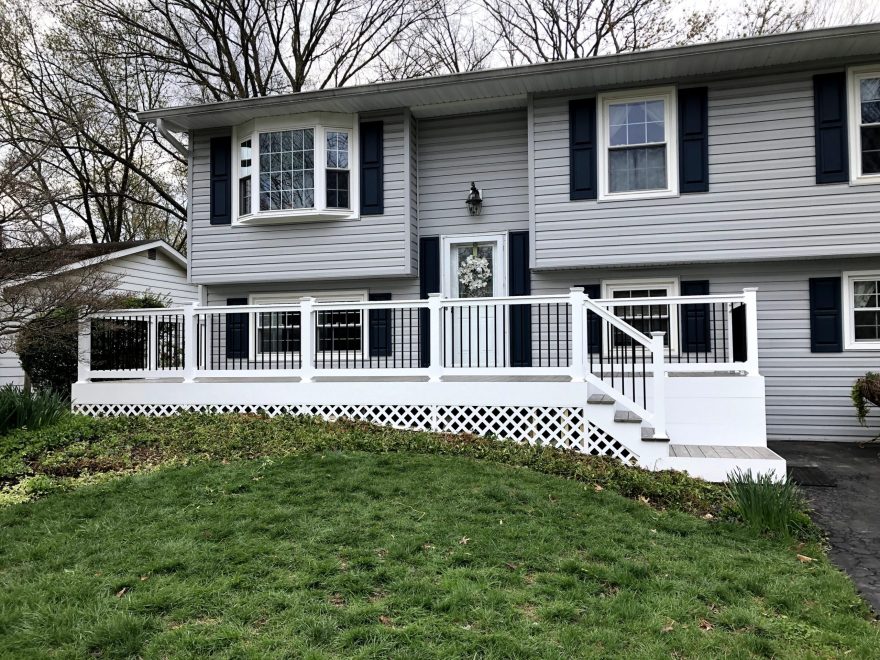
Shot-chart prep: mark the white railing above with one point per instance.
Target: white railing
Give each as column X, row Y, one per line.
column 624, row 347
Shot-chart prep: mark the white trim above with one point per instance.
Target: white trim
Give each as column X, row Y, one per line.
column 849, row 339
column 670, row 107
column 671, row 284
column 499, row 279
column 853, row 108
column 320, row 123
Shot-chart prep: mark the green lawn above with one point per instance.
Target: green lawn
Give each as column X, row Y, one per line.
column 401, row 555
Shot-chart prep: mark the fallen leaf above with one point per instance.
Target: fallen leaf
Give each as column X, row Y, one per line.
column 668, row 627
column 705, row 625
column 385, row 620
column 804, row 559
column 144, row 578
column 122, row 592
column 464, row 540
column 708, row 516
column 644, row 500
column 511, row 566
column 598, row 488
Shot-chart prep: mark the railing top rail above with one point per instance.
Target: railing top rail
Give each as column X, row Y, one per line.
column 618, row 323
column 515, row 300
column 144, row 311
column 670, row 300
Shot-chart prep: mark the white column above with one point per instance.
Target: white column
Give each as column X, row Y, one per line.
column 152, row 342
column 84, row 351
column 576, row 299
column 306, row 339
column 658, row 367
column 750, row 296
column 435, row 309
column 190, row 342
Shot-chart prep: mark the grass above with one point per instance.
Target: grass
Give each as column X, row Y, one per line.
column 326, row 554
column 75, row 451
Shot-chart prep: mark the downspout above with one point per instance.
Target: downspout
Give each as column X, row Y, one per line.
column 168, row 135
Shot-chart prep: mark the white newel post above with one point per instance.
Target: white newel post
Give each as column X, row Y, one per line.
column 576, row 299
column 435, row 311
column 190, row 341
column 306, row 339
column 658, row 368
column 84, row 351
column 750, row 296
column 153, row 343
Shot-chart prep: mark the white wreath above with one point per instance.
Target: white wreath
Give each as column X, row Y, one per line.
column 474, row 273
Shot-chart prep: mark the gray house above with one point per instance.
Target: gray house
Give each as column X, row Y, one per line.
column 137, row 267
column 682, row 241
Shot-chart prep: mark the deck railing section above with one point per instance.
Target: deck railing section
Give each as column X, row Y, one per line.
column 625, row 347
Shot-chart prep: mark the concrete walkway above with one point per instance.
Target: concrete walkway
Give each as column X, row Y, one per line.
column 849, row 512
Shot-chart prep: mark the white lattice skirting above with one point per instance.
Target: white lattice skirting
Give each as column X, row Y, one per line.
column 561, row 427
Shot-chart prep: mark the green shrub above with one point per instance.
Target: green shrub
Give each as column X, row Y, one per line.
column 767, row 505
column 47, row 348
column 32, row 409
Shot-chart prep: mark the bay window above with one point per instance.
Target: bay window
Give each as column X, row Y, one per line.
column 301, row 167
column 864, row 128
column 637, row 142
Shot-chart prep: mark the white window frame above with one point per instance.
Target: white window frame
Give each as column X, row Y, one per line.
column 854, row 121
column 320, row 123
column 670, row 284
column 670, row 125
column 285, row 298
column 848, row 308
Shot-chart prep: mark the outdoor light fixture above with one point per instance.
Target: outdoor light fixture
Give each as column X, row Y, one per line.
column 474, row 200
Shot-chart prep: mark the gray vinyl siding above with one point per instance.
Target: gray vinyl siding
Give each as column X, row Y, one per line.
column 364, row 247
column 490, row 149
column 807, row 393
column 763, row 201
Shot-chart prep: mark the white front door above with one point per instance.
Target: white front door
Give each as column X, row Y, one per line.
column 475, row 267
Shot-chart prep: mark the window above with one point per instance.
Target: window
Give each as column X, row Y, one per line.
column 287, row 170
column 335, row 330
column 638, row 155
column 864, row 129
column 337, row 169
column 862, row 305
column 297, row 167
column 645, row 317
column 244, row 178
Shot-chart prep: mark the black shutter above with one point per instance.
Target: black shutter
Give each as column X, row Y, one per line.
column 429, row 282
column 582, row 148
column 221, row 180
column 594, row 322
column 826, row 334
column 372, row 173
column 520, row 277
column 695, row 319
column 829, row 97
column 237, row 331
column 380, row 328
column 738, row 339
column 693, row 140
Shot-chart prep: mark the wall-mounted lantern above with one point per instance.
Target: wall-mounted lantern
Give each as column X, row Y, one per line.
column 474, row 200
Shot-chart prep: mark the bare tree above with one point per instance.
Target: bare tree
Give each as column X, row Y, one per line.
column 758, row 17
column 230, row 49
column 74, row 154
column 451, row 41
column 34, row 284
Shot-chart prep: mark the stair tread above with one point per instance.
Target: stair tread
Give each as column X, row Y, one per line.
column 648, row 435
column 627, row 417
column 600, row 398
column 722, row 451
